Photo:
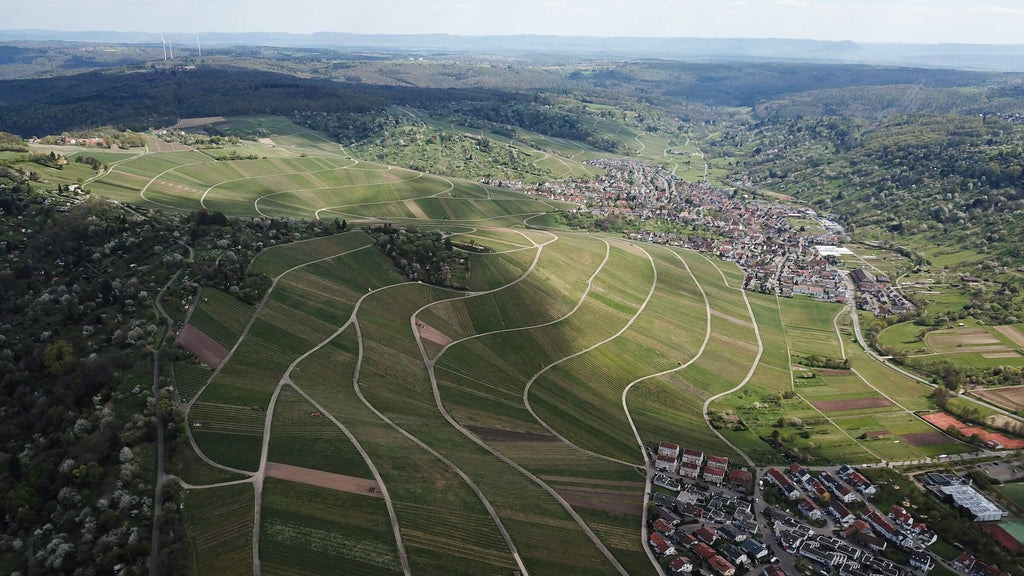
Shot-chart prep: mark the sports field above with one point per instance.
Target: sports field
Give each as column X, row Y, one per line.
column 354, row 422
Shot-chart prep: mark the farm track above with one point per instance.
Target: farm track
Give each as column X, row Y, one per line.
column 476, row 440
column 632, row 424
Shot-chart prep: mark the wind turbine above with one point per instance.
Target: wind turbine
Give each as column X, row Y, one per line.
column 163, row 43
column 170, row 47
column 200, row 46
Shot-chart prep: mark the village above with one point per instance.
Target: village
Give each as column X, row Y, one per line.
column 708, row 518
column 777, row 256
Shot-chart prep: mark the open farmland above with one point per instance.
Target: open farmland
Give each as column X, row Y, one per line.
column 392, row 427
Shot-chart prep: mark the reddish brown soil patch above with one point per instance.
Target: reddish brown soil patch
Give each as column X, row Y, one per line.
column 853, row 404
column 985, row 435
column 499, row 435
column 427, row 332
column 877, row 434
column 1005, row 539
column 926, row 439
column 942, row 421
column 205, row 348
column 338, row 482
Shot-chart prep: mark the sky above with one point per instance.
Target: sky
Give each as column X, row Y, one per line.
column 904, row 21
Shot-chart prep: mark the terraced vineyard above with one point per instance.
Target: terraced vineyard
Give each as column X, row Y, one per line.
column 359, row 423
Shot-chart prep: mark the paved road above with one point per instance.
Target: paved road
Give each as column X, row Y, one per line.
column 870, row 352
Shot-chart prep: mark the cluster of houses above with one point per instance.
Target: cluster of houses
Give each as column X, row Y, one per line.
column 877, row 294
column 758, row 235
column 872, row 531
column 840, row 555
column 690, row 463
column 809, row 272
column 971, row 566
column 723, row 550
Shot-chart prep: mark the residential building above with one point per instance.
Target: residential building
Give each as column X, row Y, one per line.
column 721, row 566
column 964, row 562
column 665, row 463
column 754, row 549
column 704, row 551
column 707, row 535
column 660, row 525
column 740, row 481
column 735, row 555
column 689, row 469
column 720, row 462
column 773, row 570
column 809, row 509
column 669, row 450
column 922, row 561
column 841, row 513
column 713, row 475
column 789, row 490
column 681, row 565
column 693, row 457
column 661, row 545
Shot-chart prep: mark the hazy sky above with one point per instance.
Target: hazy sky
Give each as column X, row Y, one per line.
column 926, row 21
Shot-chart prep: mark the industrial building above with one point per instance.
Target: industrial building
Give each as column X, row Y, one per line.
column 966, row 497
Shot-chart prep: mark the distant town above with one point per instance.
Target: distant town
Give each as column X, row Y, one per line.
column 758, row 235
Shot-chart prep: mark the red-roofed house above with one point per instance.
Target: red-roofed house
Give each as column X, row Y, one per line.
column 901, row 517
column 964, row 562
column 693, row 456
column 720, row 462
column 689, row 470
column 714, row 475
column 809, row 509
column 706, row 534
column 660, row 545
column 681, row 565
column 668, row 449
column 740, row 480
column 665, row 463
column 721, row 566
column 660, row 525
column 704, row 551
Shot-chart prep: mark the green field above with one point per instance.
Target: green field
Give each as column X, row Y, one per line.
column 219, row 523
column 502, row 421
column 1014, row 492
column 308, row 529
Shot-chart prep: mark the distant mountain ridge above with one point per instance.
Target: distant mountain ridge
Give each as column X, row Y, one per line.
column 1007, row 58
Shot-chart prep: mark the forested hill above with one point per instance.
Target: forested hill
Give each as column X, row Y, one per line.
column 155, row 98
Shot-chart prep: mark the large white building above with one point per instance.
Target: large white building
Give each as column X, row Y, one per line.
column 966, row 497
